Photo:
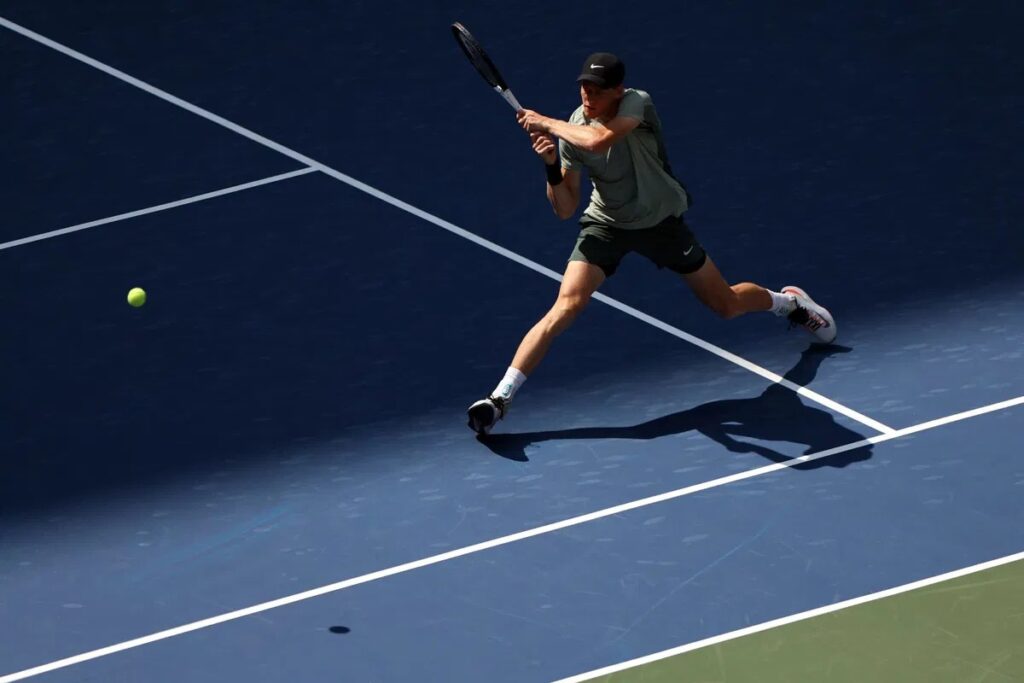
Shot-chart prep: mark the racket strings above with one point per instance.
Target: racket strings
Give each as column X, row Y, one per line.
column 478, row 58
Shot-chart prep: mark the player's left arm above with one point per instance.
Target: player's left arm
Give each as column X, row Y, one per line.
column 597, row 137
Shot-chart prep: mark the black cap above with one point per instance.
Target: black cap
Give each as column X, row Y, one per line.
column 604, row 69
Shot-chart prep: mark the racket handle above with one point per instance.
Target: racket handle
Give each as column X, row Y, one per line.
column 510, row 98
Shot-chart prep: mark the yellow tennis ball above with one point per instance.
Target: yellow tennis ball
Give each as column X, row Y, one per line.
column 136, row 296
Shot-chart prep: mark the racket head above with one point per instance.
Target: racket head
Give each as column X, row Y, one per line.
column 478, row 57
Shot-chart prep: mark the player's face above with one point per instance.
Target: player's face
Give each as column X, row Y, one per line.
column 599, row 103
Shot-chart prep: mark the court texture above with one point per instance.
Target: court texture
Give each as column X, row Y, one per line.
column 264, row 474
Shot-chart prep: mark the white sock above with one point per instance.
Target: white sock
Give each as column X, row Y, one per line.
column 782, row 304
column 509, row 384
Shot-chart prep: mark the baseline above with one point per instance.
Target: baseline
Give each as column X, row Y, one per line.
column 793, row 618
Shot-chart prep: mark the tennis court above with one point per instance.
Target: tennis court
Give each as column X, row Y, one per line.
column 264, row 474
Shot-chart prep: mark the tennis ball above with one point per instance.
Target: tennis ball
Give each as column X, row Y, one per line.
column 136, row 296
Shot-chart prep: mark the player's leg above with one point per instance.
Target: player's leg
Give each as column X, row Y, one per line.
column 579, row 282
column 672, row 245
column 595, row 258
column 729, row 301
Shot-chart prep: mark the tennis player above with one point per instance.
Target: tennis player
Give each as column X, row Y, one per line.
column 636, row 205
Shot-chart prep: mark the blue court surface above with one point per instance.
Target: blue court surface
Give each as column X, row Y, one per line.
column 287, row 412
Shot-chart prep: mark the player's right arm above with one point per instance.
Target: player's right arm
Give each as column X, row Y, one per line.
column 564, row 196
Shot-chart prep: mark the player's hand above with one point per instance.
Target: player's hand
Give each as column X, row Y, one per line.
column 531, row 121
column 544, row 146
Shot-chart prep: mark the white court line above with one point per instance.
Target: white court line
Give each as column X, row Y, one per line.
column 746, row 365
column 775, row 623
column 494, row 543
column 158, row 207
column 441, row 223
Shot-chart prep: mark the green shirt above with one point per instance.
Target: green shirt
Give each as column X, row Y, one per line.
column 633, row 183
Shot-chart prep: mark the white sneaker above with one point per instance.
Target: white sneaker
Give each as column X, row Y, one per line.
column 485, row 413
column 810, row 316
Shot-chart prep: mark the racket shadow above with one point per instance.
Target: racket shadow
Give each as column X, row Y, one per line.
column 777, row 414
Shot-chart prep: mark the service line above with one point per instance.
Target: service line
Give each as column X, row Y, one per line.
column 158, row 207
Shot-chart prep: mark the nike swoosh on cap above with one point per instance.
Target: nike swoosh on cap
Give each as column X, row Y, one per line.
column 597, row 66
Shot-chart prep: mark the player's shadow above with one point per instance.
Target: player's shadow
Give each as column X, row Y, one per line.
column 777, row 414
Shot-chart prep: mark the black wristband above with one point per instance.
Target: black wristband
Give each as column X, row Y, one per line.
column 554, row 173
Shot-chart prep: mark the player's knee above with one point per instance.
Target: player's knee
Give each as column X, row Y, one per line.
column 573, row 304
column 566, row 308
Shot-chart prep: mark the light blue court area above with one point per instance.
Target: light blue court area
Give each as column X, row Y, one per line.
column 287, row 411
column 564, row 602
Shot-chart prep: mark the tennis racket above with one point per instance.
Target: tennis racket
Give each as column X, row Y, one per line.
column 479, row 59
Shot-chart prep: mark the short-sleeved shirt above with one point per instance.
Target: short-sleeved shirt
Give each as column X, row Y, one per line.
column 633, row 183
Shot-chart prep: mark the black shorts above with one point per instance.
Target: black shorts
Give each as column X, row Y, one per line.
column 669, row 244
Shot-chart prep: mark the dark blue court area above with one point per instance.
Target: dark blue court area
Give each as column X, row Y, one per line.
column 287, row 411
